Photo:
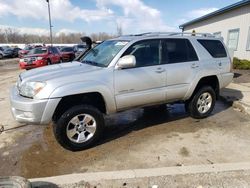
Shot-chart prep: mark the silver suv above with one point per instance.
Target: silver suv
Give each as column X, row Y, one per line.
column 119, row 74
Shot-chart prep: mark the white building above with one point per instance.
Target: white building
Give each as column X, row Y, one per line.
column 231, row 22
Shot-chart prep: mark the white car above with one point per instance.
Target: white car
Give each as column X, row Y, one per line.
column 119, row 74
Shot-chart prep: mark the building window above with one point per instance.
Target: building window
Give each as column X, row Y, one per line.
column 217, row 34
column 233, row 38
column 248, row 40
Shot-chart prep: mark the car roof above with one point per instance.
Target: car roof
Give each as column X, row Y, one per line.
column 152, row 35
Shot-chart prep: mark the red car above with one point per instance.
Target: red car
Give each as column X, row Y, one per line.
column 24, row 52
column 39, row 57
column 68, row 53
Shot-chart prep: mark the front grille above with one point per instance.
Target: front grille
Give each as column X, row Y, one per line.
column 29, row 59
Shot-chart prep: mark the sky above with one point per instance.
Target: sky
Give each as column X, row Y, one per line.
column 94, row 16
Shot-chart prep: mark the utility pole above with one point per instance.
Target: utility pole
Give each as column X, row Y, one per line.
column 50, row 26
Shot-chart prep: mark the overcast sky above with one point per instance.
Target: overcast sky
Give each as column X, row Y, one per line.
column 89, row 16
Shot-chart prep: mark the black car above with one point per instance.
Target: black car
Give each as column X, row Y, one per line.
column 11, row 52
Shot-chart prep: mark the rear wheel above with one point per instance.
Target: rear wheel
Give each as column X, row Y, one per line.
column 202, row 103
column 79, row 128
column 1, row 56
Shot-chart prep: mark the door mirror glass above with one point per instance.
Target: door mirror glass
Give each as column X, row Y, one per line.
column 127, row 61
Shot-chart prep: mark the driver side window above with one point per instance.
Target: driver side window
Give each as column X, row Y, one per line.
column 146, row 52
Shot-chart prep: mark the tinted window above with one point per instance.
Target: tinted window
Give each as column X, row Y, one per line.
column 146, row 52
column 177, row 51
column 54, row 50
column 214, row 47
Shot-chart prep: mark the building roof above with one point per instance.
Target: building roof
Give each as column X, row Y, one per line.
column 217, row 12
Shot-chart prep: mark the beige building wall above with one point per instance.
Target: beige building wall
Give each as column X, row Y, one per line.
column 235, row 19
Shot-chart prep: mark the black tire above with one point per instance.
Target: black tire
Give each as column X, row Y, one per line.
column 1, row 56
column 48, row 62
column 61, row 60
column 193, row 107
column 60, row 127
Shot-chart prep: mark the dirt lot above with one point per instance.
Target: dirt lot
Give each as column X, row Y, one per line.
column 133, row 139
column 241, row 76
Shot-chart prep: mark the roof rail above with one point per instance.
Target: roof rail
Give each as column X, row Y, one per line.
column 175, row 34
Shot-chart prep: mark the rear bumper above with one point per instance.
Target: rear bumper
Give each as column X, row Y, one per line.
column 226, row 79
column 32, row 111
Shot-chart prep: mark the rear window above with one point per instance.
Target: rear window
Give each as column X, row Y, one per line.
column 214, row 47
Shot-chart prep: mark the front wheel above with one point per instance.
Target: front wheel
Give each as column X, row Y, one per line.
column 79, row 127
column 202, row 103
column 48, row 62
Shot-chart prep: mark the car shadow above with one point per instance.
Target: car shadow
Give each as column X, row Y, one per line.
column 124, row 123
column 229, row 95
column 42, row 184
column 237, row 75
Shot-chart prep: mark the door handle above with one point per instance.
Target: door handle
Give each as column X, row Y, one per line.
column 194, row 65
column 160, row 70
column 220, row 64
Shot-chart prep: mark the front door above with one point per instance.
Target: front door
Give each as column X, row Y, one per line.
column 144, row 83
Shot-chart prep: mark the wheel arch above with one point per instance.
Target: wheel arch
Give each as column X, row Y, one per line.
column 92, row 98
column 211, row 80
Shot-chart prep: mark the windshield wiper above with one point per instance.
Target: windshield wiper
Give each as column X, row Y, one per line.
column 92, row 63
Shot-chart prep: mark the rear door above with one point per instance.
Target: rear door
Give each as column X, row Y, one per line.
column 181, row 62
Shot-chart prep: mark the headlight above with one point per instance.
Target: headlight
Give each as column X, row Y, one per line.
column 21, row 60
column 39, row 58
column 30, row 89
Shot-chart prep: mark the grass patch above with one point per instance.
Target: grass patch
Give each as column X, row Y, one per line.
column 241, row 64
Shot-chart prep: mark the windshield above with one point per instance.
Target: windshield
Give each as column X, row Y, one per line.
column 103, row 54
column 38, row 51
column 67, row 49
column 28, row 48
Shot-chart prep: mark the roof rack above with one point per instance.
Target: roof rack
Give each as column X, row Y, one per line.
column 175, row 34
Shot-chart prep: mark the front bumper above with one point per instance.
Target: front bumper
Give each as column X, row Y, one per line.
column 32, row 111
column 34, row 64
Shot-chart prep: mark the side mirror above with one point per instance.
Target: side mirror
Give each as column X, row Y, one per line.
column 127, row 61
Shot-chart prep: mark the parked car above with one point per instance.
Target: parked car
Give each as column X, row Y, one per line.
column 67, row 53
column 39, row 57
column 119, row 74
column 79, row 48
column 11, row 52
column 16, row 51
column 25, row 51
column 1, row 54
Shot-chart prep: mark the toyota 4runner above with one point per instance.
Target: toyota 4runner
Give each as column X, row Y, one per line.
column 119, row 74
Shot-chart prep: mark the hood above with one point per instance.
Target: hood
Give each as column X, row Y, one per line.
column 53, row 72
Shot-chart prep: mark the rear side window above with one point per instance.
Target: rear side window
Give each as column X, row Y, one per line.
column 214, row 47
column 177, row 51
